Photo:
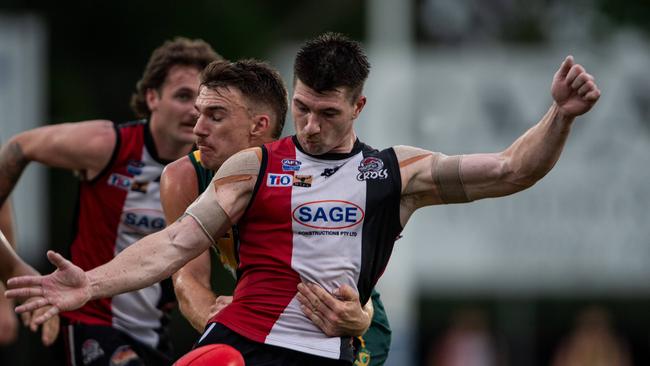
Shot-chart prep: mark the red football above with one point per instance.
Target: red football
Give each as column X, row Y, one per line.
column 212, row 355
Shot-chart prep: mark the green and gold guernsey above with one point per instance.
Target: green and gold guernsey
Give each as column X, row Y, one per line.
column 372, row 348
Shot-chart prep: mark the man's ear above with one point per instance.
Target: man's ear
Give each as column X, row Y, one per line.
column 153, row 98
column 261, row 124
column 358, row 106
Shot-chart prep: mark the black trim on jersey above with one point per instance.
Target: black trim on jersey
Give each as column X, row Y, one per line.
column 356, row 148
column 380, row 230
column 114, row 154
column 346, row 350
column 150, row 145
column 235, row 238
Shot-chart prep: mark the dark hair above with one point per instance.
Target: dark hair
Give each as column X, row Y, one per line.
column 257, row 81
column 330, row 61
column 179, row 51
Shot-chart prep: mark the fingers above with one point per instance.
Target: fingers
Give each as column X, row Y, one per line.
column 26, row 318
column 581, row 79
column 592, row 96
column 47, row 315
column 565, row 67
column 23, row 293
column 33, row 305
column 50, row 331
column 317, row 297
column 575, row 70
column 316, row 317
column 57, row 259
column 219, row 303
column 346, row 293
column 24, row 281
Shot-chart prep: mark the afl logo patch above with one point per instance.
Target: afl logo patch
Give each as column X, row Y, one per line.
column 279, row 180
column 291, row 165
column 371, row 168
column 328, row 214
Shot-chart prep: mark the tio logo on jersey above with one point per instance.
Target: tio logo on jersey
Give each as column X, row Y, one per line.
column 279, row 180
column 328, row 214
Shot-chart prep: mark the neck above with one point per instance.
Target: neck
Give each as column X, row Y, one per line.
column 347, row 145
column 167, row 147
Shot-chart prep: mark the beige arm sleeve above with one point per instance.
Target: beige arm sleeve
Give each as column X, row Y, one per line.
column 207, row 209
column 446, row 174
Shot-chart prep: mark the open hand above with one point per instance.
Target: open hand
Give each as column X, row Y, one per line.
column 65, row 289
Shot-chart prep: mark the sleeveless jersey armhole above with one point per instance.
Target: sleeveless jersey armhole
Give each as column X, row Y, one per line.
column 111, row 161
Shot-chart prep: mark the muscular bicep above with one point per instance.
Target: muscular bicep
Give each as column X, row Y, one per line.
column 228, row 195
column 178, row 188
column 84, row 146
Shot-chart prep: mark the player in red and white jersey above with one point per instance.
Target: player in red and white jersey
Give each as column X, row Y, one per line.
column 310, row 203
column 119, row 199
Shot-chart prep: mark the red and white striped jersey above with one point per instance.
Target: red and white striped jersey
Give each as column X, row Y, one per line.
column 330, row 219
column 117, row 208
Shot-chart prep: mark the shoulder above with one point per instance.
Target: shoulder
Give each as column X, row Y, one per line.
column 180, row 172
column 246, row 162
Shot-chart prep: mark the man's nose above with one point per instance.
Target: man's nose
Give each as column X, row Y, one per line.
column 313, row 124
column 199, row 127
column 194, row 113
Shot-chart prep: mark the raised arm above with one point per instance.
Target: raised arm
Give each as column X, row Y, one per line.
column 153, row 257
column 83, row 146
column 178, row 189
column 432, row 178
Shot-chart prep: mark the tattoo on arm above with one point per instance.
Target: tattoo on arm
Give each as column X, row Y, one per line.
column 12, row 164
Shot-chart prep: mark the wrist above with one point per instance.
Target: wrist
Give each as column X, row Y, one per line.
column 561, row 117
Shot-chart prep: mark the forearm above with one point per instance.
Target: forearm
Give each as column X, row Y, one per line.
column 535, row 153
column 194, row 299
column 12, row 163
column 7, row 223
column 149, row 260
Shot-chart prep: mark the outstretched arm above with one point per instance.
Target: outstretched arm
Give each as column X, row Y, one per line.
column 150, row 259
column 83, row 146
column 432, row 178
column 178, row 189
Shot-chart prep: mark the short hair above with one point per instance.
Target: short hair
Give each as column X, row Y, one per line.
column 179, row 51
column 330, row 61
column 257, row 81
